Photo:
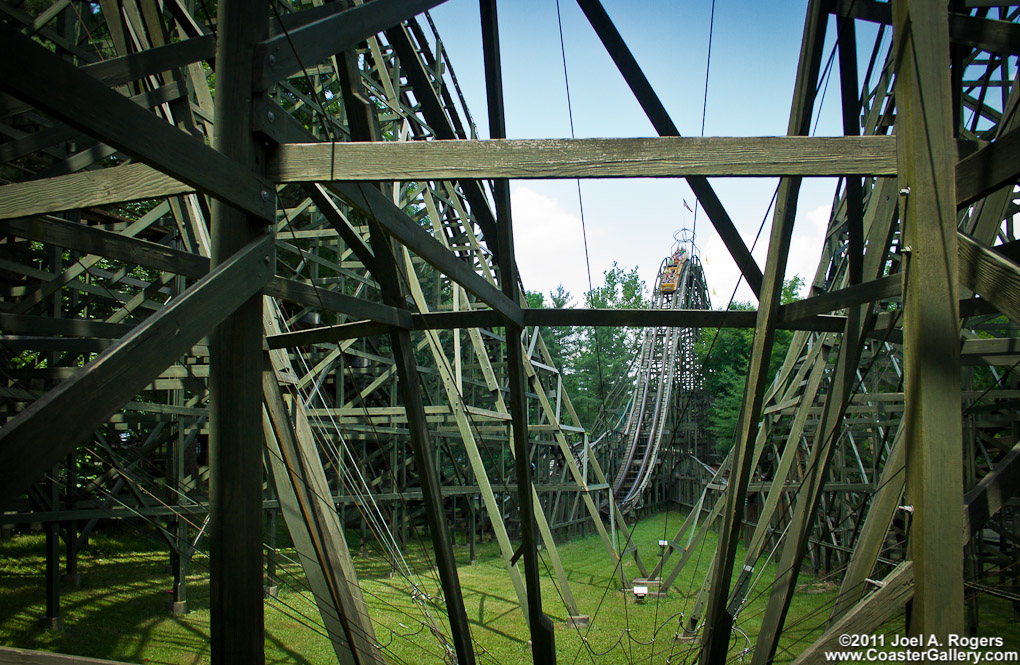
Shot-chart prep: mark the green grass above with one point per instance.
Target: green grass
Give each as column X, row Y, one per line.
column 119, row 611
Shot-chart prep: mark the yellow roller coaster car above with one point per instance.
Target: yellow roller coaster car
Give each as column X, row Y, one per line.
column 669, row 278
column 671, row 273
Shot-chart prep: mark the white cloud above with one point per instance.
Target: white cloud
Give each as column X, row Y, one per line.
column 806, row 244
column 549, row 243
column 805, row 250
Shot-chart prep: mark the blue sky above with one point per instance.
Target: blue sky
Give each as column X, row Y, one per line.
column 755, row 47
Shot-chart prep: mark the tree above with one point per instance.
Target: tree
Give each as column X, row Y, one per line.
column 603, row 354
column 724, row 355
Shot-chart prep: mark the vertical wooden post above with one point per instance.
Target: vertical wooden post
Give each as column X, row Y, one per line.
column 71, row 576
column 542, row 635
column 53, row 619
column 235, row 374
column 931, row 323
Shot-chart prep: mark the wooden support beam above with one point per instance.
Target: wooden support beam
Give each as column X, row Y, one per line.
column 885, row 501
column 990, row 495
column 121, row 184
column 809, row 497
column 342, row 226
column 376, row 205
column 112, row 245
column 13, row 324
column 236, row 582
column 358, row 308
column 791, row 451
column 300, row 480
column 850, row 107
column 442, row 127
column 664, row 126
column 543, row 637
column 285, row 54
column 388, row 274
column 486, row 318
column 109, row 245
column 994, row 166
column 42, row 434
column 860, row 294
column 931, row 323
column 61, row 89
column 978, row 32
column 866, row 616
column 685, row 318
column 990, row 274
column 668, row 157
column 132, row 67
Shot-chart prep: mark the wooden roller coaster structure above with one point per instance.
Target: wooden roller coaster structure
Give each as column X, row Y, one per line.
column 305, row 275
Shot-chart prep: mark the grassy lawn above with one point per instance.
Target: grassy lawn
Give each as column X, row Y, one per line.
column 119, row 611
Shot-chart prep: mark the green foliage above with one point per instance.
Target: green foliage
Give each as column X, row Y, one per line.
column 594, row 360
column 604, row 353
column 724, row 354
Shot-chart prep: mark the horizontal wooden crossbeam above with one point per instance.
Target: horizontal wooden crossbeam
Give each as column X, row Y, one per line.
column 635, row 318
column 135, row 251
column 662, row 157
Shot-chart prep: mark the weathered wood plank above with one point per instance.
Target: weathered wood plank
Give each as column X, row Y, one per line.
column 990, row 274
column 931, row 315
column 46, row 431
column 131, row 182
column 662, row 157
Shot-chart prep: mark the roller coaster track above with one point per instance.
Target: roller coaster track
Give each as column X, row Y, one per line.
column 666, row 373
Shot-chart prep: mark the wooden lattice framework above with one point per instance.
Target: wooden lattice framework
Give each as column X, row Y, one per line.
column 276, row 217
